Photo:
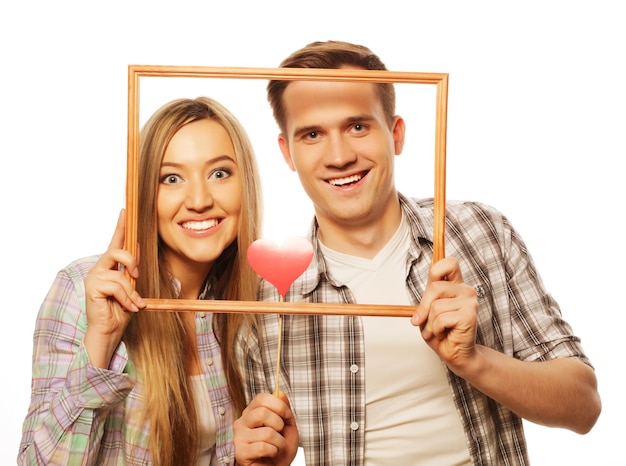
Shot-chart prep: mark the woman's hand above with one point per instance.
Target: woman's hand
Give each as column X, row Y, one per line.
column 110, row 299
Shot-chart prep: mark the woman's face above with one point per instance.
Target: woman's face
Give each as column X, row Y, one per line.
column 199, row 197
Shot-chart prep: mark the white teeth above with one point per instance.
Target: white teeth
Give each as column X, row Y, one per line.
column 346, row 180
column 204, row 225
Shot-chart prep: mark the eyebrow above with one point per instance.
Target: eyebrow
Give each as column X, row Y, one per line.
column 212, row 161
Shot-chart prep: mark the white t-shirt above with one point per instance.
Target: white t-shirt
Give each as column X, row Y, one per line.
column 410, row 417
column 207, row 428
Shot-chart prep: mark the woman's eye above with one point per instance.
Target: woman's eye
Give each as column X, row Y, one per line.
column 221, row 173
column 170, row 179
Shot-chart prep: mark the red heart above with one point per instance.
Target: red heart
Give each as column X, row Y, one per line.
column 280, row 265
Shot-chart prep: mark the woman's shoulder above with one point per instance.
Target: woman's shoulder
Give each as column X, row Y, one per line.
column 80, row 267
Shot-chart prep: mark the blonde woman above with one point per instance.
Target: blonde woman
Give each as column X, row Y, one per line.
column 115, row 385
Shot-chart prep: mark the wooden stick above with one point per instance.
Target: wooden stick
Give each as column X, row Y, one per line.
column 278, row 350
column 439, row 233
column 288, row 74
column 132, row 176
column 263, row 307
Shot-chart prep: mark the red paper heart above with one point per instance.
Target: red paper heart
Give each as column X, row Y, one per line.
column 280, row 265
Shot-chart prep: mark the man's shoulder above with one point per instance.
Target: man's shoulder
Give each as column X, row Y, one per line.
column 455, row 208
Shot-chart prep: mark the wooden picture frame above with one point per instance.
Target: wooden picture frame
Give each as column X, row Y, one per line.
column 136, row 72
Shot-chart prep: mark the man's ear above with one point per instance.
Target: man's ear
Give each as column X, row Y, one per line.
column 284, row 148
column 398, row 130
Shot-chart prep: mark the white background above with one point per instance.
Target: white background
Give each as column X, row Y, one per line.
column 536, row 127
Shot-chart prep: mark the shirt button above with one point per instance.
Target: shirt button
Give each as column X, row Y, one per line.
column 201, row 314
column 354, row 425
column 354, row 368
column 209, row 361
column 221, row 410
column 226, row 460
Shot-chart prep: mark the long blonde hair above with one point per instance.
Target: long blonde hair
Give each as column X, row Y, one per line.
column 158, row 341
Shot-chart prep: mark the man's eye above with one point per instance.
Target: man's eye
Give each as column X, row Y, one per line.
column 311, row 135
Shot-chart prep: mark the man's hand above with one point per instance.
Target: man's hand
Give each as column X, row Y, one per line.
column 266, row 432
column 447, row 314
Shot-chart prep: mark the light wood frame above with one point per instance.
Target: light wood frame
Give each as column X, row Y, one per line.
column 135, row 72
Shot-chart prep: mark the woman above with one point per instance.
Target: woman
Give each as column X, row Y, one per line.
column 115, row 386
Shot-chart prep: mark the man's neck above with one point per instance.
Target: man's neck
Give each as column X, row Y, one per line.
column 360, row 240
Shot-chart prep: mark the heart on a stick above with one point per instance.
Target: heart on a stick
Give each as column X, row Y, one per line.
column 280, row 265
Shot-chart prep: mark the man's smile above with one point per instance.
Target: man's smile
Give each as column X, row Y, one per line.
column 346, row 180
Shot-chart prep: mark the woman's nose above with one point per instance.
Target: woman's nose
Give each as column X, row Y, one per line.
column 198, row 196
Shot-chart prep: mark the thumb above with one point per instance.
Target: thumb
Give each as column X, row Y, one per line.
column 281, row 396
column 419, row 316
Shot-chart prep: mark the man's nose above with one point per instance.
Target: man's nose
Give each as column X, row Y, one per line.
column 340, row 152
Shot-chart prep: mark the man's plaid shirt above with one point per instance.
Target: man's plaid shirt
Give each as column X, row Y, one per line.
column 323, row 356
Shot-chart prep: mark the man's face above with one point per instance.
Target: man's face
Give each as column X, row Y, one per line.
column 338, row 141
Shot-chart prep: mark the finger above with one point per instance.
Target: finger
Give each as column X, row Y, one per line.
column 419, row 317
column 445, row 315
column 285, row 408
column 446, row 269
column 457, row 312
column 116, row 259
column 250, row 453
column 435, row 290
column 114, row 284
column 117, row 242
column 273, row 402
column 267, row 437
column 252, row 444
column 265, row 417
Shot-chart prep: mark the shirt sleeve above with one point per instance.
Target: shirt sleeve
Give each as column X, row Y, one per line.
column 69, row 397
column 540, row 329
column 518, row 315
column 250, row 359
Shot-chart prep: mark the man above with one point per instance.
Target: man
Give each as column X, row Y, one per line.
column 490, row 349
